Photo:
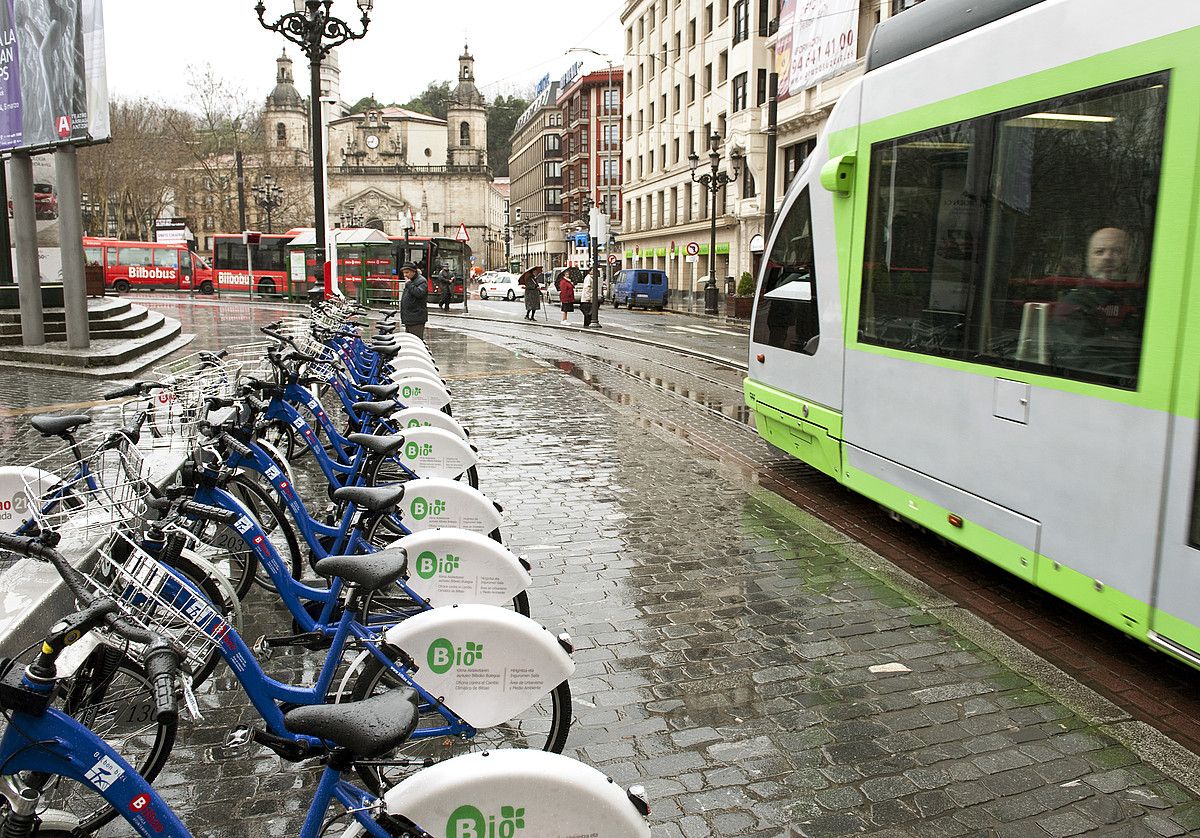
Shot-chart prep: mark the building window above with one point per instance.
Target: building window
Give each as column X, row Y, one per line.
column 741, row 21
column 674, row 205
column 651, row 113
column 794, row 157
column 899, row 6
column 760, row 96
column 553, row 200
column 688, row 209
column 662, row 110
column 749, row 185
column 707, row 78
column 708, row 19
column 764, row 18
column 675, row 150
column 739, row 92
column 1020, row 239
column 651, row 159
column 724, row 9
column 553, row 144
column 583, row 175
column 678, row 99
column 787, row 299
column 612, row 100
column 464, row 134
column 678, row 44
column 281, row 134
column 691, row 89
column 692, row 32
column 723, row 66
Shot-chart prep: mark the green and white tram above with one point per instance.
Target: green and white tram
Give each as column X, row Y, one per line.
column 981, row 303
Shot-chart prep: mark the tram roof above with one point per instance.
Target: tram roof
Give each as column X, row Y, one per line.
column 932, row 22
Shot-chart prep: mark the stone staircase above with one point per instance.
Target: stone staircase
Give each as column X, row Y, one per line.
column 124, row 338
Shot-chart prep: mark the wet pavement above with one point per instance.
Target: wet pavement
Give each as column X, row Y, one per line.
column 759, row 671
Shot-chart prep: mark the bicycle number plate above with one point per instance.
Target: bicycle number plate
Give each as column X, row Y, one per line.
column 136, row 713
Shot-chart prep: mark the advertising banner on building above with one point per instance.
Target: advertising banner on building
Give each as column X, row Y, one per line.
column 817, row 39
column 53, row 83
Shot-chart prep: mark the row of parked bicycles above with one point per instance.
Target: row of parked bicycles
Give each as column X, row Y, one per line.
column 321, row 467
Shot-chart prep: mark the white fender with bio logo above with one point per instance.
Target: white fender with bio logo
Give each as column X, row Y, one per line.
column 413, row 360
column 454, row 567
column 487, row 663
column 409, row 341
column 14, row 501
column 419, row 374
column 420, row 417
column 515, row 793
column 432, row 502
column 433, row 452
column 421, row 392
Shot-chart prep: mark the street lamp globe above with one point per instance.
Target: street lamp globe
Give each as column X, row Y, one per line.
column 366, row 5
column 735, row 162
column 694, row 161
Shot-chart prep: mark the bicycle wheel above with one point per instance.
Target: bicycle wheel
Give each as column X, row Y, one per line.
column 109, row 693
column 381, row 471
column 543, row 727
column 392, row 599
column 283, row 437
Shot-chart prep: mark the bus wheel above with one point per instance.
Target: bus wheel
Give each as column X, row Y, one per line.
column 206, row 288
column 266, row 286
column 121, row 286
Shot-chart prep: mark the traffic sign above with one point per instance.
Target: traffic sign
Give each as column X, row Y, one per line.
column 693, row 249
column 462, row 235
column 613, row 260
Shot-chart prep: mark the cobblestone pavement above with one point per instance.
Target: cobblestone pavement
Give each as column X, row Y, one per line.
column 762, row 674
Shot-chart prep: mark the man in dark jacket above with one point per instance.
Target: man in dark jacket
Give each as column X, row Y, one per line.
column 444, row 287
column 413, row 313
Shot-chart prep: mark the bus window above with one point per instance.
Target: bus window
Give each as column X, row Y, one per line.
column 1020, row 239
column 93, row 256
column 787, row 298
column 229, row 255
column 166, row 257
column 135, row 257
column 185, row 262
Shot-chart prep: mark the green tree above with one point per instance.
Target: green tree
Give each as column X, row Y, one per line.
column 502, row 118
column 366, row 103
column 433, row 101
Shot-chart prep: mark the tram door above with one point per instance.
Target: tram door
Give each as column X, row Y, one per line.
column 1175, row 619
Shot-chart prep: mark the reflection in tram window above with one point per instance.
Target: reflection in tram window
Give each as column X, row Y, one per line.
column 787, row 303
column 1020, row 239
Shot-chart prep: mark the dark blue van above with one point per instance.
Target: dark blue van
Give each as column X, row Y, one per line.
column 639, row 287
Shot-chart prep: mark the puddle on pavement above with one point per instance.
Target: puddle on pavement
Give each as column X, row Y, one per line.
column 736, row 411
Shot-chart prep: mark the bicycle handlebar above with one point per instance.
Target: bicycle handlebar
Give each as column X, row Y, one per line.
column 208, row 512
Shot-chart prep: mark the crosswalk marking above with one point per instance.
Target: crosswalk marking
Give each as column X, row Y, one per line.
column 705, row 330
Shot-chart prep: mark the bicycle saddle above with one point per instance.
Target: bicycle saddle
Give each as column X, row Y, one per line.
column 377, row 444
column 373, row 498
column 56, row 425
column 375, row 408
column 385, row 328
column 387, row 352
column 368, row 728
column 372, row 571
column 380, row 391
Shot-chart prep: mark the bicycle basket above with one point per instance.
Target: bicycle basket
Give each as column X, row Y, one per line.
column 149, row 594
column 178, row 405
column 87, row 496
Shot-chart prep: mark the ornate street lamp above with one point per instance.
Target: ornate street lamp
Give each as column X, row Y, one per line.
column 713, row 181
column 314, row 29
column 526, row 232
column 269, row 197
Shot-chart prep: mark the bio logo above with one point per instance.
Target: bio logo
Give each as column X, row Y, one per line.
column 417, row 423
column 443, row 655
column 469, row 822
column 429, row 565
column 416, row 449
column 410, row 391
column 422, row 508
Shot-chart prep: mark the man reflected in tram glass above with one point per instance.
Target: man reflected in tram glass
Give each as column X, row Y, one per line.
column 1108, row 254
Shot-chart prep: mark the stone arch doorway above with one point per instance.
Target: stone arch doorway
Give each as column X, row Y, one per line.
column 375, row 224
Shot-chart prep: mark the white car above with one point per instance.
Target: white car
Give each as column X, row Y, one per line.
column 502, row 286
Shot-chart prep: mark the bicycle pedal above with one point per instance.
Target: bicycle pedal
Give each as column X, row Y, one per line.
column 236, row 741
column 263, row 650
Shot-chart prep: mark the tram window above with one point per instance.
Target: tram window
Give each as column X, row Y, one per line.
column 787, row 297
column 1020, row 239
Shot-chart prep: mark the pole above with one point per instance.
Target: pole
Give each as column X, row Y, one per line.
column 29, row 274
column 772, row 151
column 241, row 190
column 70, row 221
column 249, row 267
column 318, row 145
column 6, row 268
column 710, row 290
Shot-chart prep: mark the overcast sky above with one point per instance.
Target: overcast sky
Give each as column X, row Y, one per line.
column 151, row 43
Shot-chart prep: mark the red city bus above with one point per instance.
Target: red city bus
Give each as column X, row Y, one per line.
column 268, row 259
column 132, row 265
column 432, row 254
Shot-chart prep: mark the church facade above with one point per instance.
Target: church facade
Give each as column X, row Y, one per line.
column 390, row 163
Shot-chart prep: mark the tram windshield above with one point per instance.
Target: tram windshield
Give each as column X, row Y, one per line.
column 1020, row 239
column 787, row 298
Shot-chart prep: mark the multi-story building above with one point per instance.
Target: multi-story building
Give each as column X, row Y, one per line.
column 535, row 174
column 591, row 143
column 695, row 67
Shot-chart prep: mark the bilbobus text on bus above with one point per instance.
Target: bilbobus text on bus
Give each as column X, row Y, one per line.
column 268, row 261
column 133, row 265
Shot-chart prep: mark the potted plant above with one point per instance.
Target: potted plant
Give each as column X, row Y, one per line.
column 740, row 304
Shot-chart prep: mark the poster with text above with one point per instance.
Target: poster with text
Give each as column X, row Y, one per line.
column 53, row 81
column 817, row 39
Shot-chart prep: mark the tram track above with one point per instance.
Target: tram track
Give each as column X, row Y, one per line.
column 1144, row 685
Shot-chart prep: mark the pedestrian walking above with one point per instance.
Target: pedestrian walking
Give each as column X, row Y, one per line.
column 413, row 300
column 533, row 297
column 566, row 296
column 585, row 300
column 445, row 281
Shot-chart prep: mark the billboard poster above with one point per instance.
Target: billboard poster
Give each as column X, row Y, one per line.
column 817, row 39
column 53, row 84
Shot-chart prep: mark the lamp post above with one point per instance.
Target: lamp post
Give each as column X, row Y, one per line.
column 526, row 232
column 314, row 29
column 713, row 181
column 269, row 198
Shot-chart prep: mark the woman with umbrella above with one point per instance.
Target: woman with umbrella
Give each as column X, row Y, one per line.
column 533, row 292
